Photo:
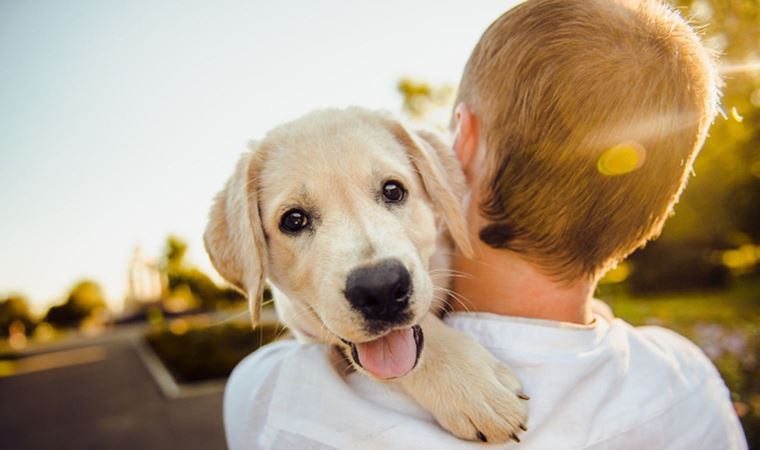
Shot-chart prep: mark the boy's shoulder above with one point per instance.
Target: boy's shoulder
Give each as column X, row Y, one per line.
column 674, row 351
column 685, row 398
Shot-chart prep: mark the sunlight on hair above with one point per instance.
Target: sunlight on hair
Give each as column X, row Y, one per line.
column 621, row 159
column 728, row 69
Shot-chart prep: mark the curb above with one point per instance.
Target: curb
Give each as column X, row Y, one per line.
column 166, row 382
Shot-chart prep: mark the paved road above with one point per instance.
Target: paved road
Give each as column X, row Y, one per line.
column 111, row 403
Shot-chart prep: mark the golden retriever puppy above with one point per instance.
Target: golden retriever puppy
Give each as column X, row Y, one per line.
column 350, row 216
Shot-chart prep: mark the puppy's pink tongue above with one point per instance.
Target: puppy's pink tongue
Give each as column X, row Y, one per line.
column 390, row 356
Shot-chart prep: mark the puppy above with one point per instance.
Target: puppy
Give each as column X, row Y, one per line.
column 350, row 216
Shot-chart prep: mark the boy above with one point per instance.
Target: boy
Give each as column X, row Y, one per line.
column 576, row 125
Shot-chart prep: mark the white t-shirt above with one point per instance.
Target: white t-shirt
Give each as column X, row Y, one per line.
column 603, row 386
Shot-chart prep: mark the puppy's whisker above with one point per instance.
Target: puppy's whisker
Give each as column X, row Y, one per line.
column 464, row 306
column 448, row 252
column 450, row 271
column 442, row 273
column 440, row 303
column 438, row 308
column 462, row 300
column 282, row 329
column 449, row 275
column 459, row 298
column 231, row 318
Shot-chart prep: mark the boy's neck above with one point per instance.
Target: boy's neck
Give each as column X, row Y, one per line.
column 501, row 282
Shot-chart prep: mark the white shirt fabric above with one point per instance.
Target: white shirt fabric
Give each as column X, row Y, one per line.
column 603, row 386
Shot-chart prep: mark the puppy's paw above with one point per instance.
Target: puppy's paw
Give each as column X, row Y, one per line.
column 485, row 404
column 467, row 390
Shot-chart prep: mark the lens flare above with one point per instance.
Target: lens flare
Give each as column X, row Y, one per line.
column 751, row 66
column 621, row 159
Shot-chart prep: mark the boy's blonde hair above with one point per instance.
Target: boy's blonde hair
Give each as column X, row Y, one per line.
column 559, row 84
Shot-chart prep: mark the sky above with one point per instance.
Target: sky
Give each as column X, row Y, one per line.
column 119, row 121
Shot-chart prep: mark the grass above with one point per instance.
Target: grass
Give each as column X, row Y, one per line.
column 737, row 307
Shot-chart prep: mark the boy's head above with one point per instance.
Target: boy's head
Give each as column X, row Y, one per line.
column 590, row 113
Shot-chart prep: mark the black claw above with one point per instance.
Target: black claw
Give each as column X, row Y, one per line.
column 482, row 437
column 522, row 427
column 515, row 438
column 523, row 396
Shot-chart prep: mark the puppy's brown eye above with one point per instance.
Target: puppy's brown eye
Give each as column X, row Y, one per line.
column 393, row 192
column 294, row 221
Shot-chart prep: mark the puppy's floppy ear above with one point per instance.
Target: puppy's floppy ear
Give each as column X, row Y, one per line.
column 234, row 237
column 442, row 177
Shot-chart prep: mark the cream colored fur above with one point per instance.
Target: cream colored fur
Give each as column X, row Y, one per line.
column 335, row 162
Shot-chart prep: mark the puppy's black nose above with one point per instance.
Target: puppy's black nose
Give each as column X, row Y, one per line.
column 380, row 292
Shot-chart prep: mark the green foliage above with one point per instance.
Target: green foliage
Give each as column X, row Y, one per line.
column 209, row 295
column 185, row 280
column 208, row 352
column 425, row 102
column 677, row 266
column 14, row 309
column 174, row 253
column 85, row 299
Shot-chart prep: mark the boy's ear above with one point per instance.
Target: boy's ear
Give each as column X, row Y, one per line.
column 465, row 137
column 234, row 237
column 442, row 178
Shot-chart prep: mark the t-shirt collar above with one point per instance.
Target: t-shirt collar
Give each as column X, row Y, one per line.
column 522, row 334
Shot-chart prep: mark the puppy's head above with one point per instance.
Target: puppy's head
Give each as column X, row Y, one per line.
column 341, row 210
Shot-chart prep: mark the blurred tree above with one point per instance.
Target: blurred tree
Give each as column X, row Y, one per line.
column 174, row 253
column 424, row 102
column 186, row 281
column 85, row 300
column 15, row 309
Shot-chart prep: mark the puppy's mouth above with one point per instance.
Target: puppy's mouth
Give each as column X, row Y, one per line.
column 390, row 356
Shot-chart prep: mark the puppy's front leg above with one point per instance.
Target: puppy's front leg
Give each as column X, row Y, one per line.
column 468, row 391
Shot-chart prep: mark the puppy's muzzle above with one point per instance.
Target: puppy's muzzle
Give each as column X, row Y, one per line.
column 380, row 292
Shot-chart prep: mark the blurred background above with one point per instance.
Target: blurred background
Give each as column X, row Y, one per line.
column 119, row 121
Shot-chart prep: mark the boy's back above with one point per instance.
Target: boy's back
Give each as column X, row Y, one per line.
column 606, row 385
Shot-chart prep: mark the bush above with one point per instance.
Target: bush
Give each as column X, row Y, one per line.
column 85, row 299
column 184, row 279
column 676, row 266
column 210, row 295
column 203, row 353
column 14, row 309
